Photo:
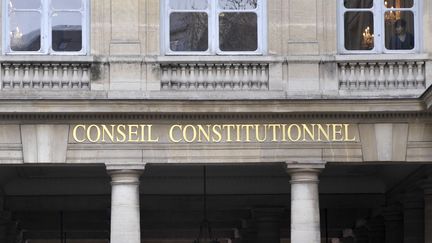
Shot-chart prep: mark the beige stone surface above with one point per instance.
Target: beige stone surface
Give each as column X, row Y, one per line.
column 44, row 143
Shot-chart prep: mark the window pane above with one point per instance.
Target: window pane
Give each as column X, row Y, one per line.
column 399, row 30
column 399, row 3
column 358, row 3
column 66, row 31
column 238, row 32
column 188, row 4
column 188, row 32
column 359, row 31
column 25, row 31
column 66, row 4
column 24, row 4
column 238, row 4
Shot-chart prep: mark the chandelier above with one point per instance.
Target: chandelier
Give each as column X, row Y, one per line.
column 205, row 233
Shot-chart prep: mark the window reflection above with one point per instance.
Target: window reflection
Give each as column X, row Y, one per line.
column 238, row 31
column 24, row 4
column 358, row 3
column 398, row 3
column 399, row 33
column 238, row 4
column 25, row 31
column 66, row 31
column 188, row 31
column 66, row 4
column 188, row 4
column 359, row 31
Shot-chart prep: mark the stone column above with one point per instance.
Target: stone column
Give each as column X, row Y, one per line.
column 413, row 217
column 125, row 206
column 427, row 187
column 268, row 224
column 305, row 214
column 393, row 219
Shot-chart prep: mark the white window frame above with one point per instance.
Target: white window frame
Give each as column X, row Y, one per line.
column 46, row 12
column 378, row 10
column 213, row 30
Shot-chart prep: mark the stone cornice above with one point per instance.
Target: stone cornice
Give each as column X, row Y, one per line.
column 139, row 107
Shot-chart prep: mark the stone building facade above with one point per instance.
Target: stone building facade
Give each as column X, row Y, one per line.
column 312, row 126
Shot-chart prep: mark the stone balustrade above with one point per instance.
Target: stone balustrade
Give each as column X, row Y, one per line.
column 372, row 75
column 215, row 76
column 45, row 75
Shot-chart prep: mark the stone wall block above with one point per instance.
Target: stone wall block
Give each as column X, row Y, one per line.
column 44, row 143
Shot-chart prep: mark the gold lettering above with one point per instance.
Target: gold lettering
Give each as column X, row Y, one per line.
column 171, row 133
column 347, row 139
column 121, row 129
column 284, row 131
column 257, row 133
column 291, row 132
column 274, row 131
column 322, row 131
column 308, row 131
column 228, row 131
column 203, row 132
column 89, row 133
column 337, row 131
column 217, row 131
column 185, row 133
column 133, row 132
column 248, row 127
column 150, row 134
column 75, row 132
column 106, row 131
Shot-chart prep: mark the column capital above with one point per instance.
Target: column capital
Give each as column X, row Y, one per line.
column 125, row 174
column 304, row 171
column 312, row 164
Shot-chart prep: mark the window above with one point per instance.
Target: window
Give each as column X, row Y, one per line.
column 45, row 27
column 378, row 26
column 213, row 27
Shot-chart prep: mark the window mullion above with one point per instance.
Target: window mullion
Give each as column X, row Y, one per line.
column 46, row 26
column 214, row 26
column 378, row 13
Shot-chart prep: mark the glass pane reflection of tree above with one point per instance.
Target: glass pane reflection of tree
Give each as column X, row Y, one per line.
column 25, row 31
column 188, row 31
column 359, row 31
column 238, row 32
column 238, row 4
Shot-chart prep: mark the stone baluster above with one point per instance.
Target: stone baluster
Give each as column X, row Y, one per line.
column 410, row 77
column 7, row 79
column 175, row 77
column 391, row 78
column 352, row 80
column 246, row 77
column 183, row 79
column 75, row 83
column 201, row 77
column 26, row 82
column 362, row 77
column 343, row 76
column 210, row 80
column 85, row 80
column 37, row 80
column 236, row 79
column 65, row 81
column 400, row 77
column 193, row 77
column 17, row 82
column 165, row 81
column 219, row 77
column 227, row 77
column 55, row 78
column 263, row 78
column 46, row 80
column 381, row 78
column 420, row 79
column 371, row 83
column 254, row 78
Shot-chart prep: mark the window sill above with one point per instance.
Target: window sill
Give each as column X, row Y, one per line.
column 381, row 57
column 49, row 59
